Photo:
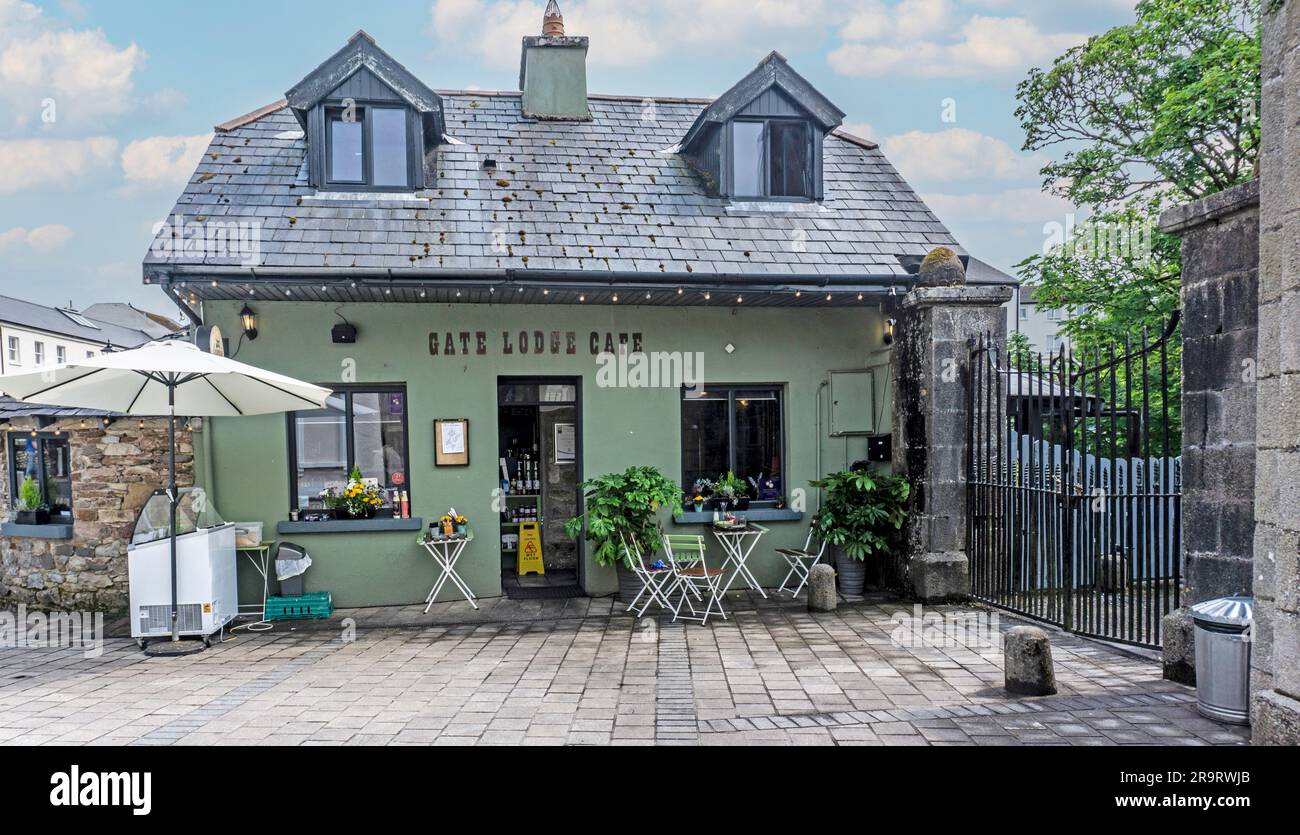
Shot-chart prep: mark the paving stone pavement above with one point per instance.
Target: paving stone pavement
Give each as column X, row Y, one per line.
column 771, row 674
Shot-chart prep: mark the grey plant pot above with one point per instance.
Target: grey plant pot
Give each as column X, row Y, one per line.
column 852, row 574
column 628, row 585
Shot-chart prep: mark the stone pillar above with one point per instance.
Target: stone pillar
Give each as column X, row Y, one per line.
column 938, row 323
column 1275, row 656
column 1220, row 292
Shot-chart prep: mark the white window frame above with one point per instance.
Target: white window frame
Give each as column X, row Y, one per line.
column 15, row 351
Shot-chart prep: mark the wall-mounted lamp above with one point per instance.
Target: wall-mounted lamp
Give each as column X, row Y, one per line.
column 889, row 331
column 248, row 318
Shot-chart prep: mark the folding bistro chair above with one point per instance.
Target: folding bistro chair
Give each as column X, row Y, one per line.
column 692, row 577
column 801, row 562
column 653, row 580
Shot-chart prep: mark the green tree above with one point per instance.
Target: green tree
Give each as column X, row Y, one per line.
column 1145, row 116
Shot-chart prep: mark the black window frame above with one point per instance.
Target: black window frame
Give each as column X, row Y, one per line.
column 331, row 112
column 731, row 388
column 813, row 174
column 42, row 475
column 349, row 392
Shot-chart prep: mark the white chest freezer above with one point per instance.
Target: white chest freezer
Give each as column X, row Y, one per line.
column 207, row 593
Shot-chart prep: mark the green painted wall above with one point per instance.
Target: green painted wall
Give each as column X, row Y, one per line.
column 622, row 426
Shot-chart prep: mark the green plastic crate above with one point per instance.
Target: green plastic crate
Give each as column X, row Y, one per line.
column 318, row 606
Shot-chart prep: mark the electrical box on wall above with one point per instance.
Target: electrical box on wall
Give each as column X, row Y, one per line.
column 853, row 403
column 345, row 334
column 880, row 448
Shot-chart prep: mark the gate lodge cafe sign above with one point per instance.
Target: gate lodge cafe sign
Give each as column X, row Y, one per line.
column 534, row 343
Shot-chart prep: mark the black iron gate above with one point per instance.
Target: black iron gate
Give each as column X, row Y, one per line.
column 1074, row 485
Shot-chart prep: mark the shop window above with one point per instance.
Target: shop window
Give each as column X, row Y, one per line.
column 733, row 429
column 46, row 458
column 364, row 428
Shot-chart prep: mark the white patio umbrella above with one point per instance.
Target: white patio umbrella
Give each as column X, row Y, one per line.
column 168, row 377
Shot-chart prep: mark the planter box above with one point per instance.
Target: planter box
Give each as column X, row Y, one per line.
column 32, row 517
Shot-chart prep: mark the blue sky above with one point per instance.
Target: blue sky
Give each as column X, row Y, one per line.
column 105, row 105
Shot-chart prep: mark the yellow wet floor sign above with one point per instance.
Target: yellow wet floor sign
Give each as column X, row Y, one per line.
column 530, row 549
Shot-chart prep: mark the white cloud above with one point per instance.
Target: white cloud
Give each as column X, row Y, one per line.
column 1022, row 206
column 42, row 239
column 163, row 161
column 624, row 34
column 861, row 130
column 902, row 40
column 47, row 163
column 85, row 75
column 958, row 154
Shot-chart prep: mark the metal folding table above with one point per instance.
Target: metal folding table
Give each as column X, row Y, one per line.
column 738, row 543
column 446, row 552
column 260, row 557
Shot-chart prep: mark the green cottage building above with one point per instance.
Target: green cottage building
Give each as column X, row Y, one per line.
column 512, row 292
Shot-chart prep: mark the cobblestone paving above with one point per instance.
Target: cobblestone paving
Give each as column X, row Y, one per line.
column 571, row 672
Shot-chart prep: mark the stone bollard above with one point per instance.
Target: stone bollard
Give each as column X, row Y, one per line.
column 822, row 596
column 1027, row 653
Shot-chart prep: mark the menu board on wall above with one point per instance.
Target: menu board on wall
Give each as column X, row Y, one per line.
column 451, row 443
column 566, row 446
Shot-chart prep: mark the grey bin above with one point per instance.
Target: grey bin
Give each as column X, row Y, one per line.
column 1223, row 638
column 290, row 553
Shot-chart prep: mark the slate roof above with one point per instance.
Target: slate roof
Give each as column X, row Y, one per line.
column 11, row 409
column 598, row 197
column 51, row 320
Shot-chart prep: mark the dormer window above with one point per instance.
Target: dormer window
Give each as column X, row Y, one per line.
column 370, row 124
column 762, row 139
column 368, row 147
column 772, row 159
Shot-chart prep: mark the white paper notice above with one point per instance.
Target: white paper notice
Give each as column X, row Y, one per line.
column 453, row 439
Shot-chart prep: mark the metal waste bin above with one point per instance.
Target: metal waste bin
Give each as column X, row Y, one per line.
column 291, row 563
column 1223, row 638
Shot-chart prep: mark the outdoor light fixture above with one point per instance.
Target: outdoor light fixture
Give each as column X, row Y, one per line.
column 248, row 318
column 889, row 331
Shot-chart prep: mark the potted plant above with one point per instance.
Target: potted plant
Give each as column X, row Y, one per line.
column 361, row 500
column 462, row 525
column 731, row 492
column 860, row 515
column 32, row 509
column 625, row 507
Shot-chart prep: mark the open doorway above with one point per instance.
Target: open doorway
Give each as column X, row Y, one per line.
column 539, row 445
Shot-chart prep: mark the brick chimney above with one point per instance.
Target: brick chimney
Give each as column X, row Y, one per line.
column 553, row 72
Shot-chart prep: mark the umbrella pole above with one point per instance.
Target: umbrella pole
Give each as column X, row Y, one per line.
column 171, row 490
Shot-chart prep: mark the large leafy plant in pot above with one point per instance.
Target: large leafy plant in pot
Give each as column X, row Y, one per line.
column 860, row 515
column 623, row 506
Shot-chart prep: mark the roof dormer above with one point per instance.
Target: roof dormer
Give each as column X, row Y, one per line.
column 762, row 139
column 371, row 125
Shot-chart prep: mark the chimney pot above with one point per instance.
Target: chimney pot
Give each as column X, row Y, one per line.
column 552, row 21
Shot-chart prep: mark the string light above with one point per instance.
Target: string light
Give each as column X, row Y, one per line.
column 708, row 296
column 740, row 299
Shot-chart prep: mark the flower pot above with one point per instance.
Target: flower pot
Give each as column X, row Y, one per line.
column 629, row 585
column 462, row 530
column 368, row 513
column 742, row 504
column 852, row 574
column 33, row 517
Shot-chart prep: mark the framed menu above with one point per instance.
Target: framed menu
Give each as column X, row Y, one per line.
column 451, row 443
column 566, row 447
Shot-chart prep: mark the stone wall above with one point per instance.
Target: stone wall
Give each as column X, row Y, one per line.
column 1275, row 658
column 1220, row 292
column 114, row 471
